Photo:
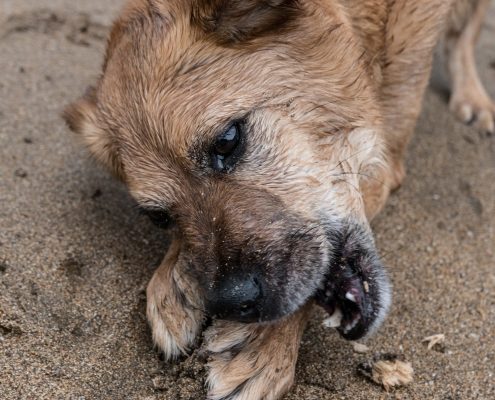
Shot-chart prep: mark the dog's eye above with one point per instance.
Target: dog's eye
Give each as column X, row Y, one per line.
column 226, row 146
column 227, row 141
column 158, row 217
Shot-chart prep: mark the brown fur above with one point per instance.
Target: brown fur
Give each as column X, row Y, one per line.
column 231, row 21
column 331, row 90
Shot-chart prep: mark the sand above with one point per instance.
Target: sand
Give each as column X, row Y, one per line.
column 75, row 256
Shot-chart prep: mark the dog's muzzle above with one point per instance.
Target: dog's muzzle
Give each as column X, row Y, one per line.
column 356, row 291
column 350, row 284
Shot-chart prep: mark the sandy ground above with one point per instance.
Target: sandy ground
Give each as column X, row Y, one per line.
column 75, row 256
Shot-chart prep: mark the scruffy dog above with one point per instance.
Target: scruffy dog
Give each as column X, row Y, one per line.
column 267, row 134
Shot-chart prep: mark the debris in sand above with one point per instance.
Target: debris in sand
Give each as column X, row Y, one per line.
column 434, row 340
column 160, row 382
column 387, row 370
column 3, row 265
column 20, row 173
column 360, row 348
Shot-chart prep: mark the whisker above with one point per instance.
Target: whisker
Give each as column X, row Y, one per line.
column 363, row 174
column 353, row 155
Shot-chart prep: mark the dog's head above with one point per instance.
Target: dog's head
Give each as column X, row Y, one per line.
column 250, row 126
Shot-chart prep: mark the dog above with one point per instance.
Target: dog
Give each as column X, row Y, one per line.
column 266, row 135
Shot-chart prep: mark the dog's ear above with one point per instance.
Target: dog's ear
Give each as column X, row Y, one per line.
column 81, row 117
column 233, row 21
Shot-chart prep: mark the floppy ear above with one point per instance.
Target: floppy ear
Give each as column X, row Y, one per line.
column 240, row 20
column 81, row 118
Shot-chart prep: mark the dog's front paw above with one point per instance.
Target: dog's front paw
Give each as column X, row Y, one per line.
column 473, row 106
column 253, row 361
column 173, row 308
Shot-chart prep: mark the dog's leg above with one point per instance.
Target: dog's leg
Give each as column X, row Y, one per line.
column 174, row 307
column 253, row 361
column 412, row 31
column 469, row 100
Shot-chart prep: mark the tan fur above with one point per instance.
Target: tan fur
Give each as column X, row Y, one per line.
column 469, row 100
column 257, row 360
column 174, row 309
column 332, row 88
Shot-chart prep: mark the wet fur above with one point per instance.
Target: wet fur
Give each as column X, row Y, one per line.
column 340, row 84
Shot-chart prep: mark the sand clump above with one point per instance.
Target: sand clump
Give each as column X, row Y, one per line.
column 388, row 370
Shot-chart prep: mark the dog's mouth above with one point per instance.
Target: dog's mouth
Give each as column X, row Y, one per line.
column 356, row 291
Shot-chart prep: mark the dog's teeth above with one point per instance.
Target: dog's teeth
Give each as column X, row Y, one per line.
column 351, row 326
column 366, row 286
column 334, row 320
column 349, row 296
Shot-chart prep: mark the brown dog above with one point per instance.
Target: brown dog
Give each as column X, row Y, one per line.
column 269, row 133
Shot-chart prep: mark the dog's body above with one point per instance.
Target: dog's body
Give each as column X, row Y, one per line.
column 271, row 131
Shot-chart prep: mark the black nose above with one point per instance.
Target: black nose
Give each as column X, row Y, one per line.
column 236, row 298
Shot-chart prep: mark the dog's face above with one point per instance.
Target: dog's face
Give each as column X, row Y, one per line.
column 248, row 125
